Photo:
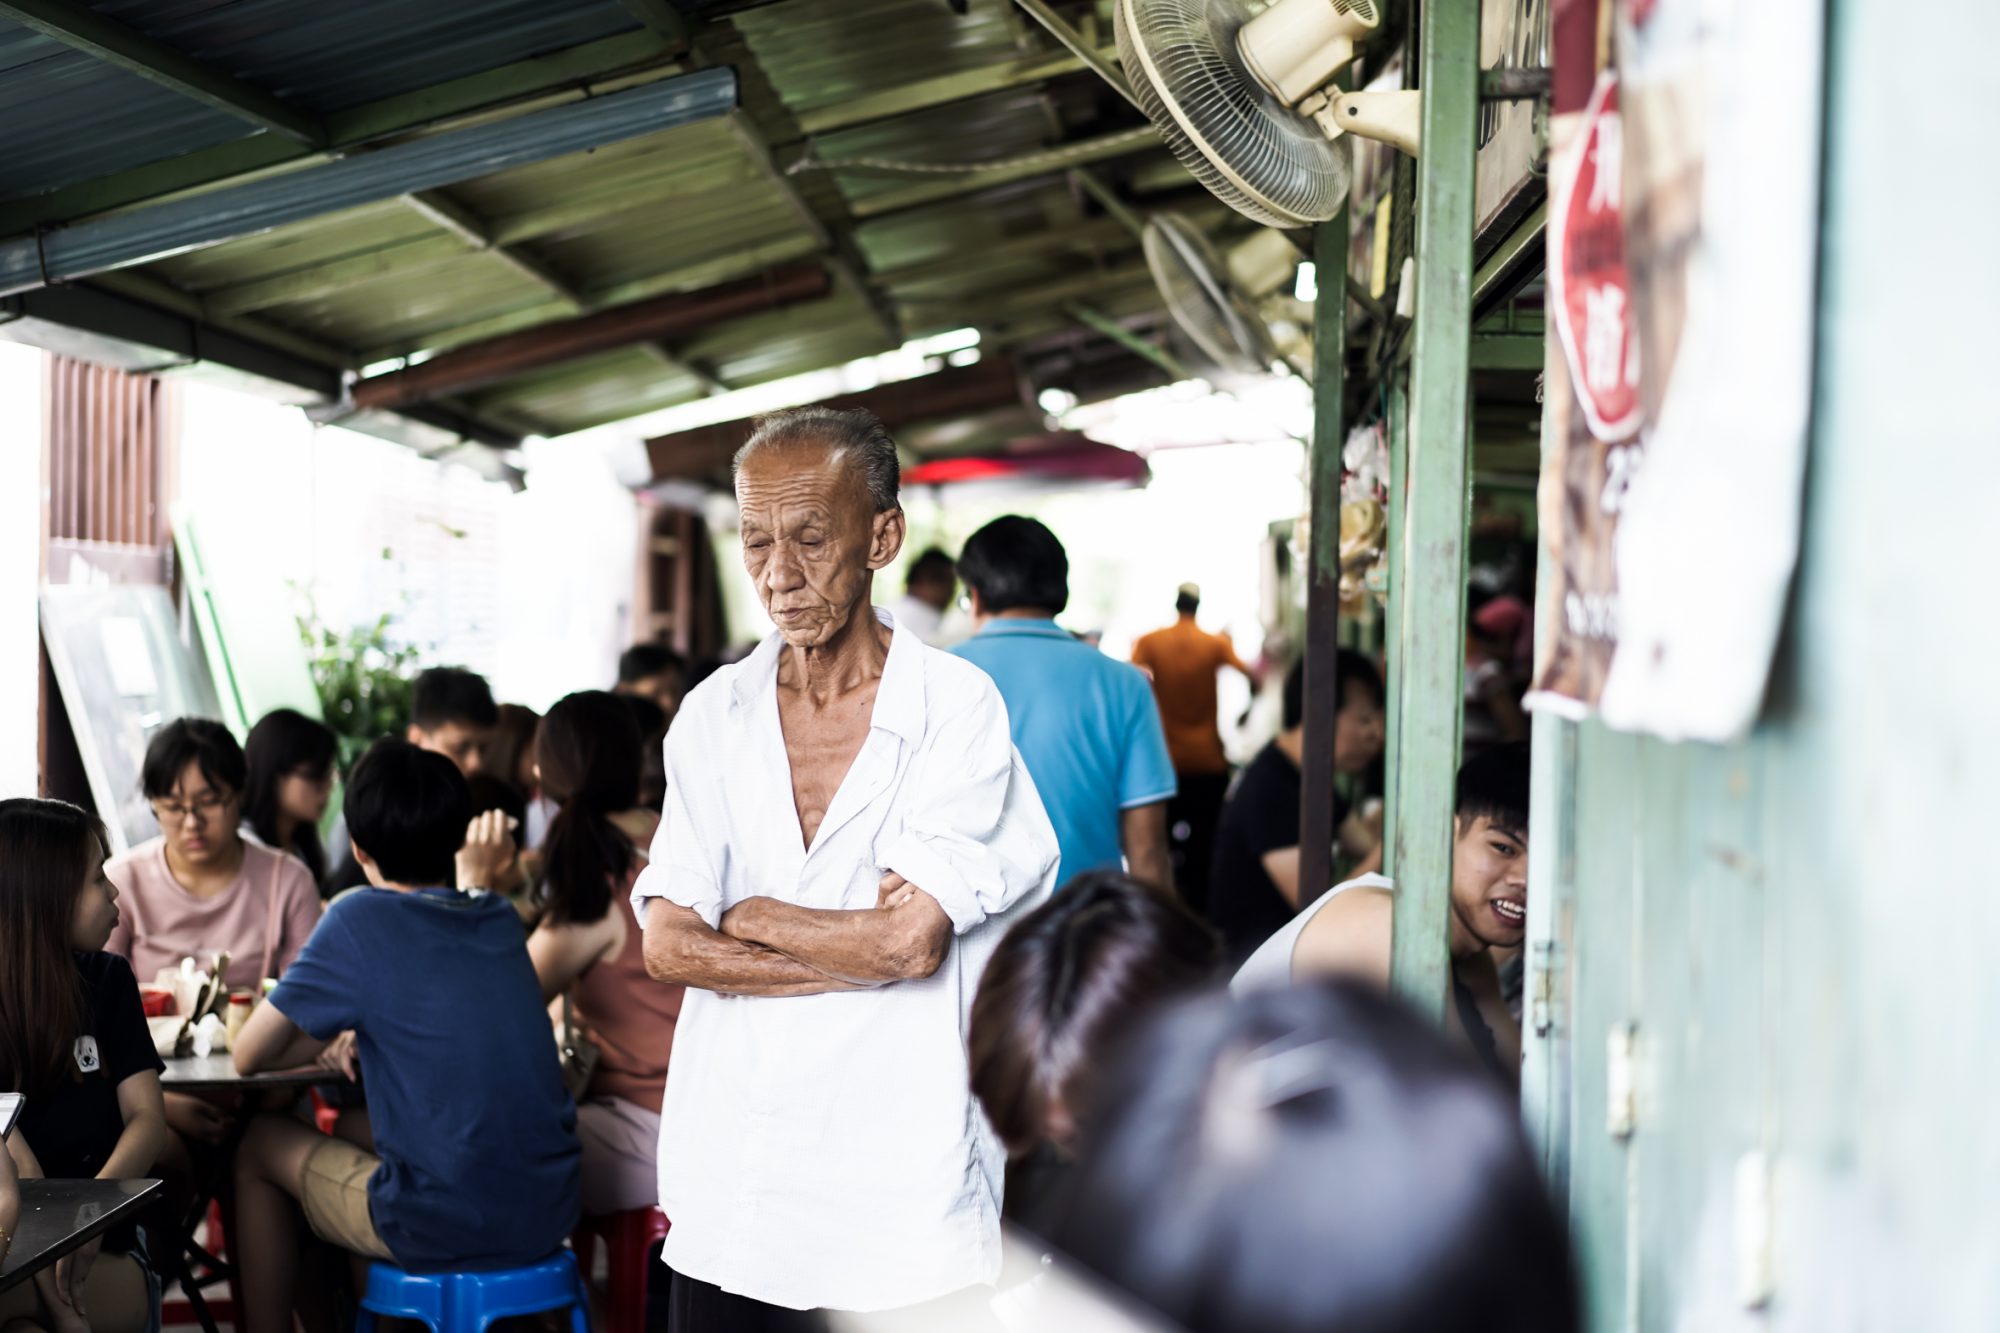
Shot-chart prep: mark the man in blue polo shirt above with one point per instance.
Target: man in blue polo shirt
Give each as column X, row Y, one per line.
column 1086, row 725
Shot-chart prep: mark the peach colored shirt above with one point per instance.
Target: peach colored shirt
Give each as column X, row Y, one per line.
column 272, row 900
column 629, row 1015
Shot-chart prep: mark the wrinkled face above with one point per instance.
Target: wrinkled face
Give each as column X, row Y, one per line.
column 462, row 744
column 812, row 540
column 1357, row 731
column 303, row 793
column 96, row 908
column 199, row 818
column 1489, row 882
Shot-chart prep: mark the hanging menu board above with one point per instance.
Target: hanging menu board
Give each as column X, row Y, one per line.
column 125, row 669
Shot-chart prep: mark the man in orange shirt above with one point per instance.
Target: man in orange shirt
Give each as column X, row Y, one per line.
column 1182, row 660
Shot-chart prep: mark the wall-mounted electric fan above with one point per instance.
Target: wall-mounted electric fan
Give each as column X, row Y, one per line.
column 1240, row 93
column 1202, row 301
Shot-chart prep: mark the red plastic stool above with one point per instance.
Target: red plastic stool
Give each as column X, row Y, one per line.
column 324, row 1116
column 628, row 1239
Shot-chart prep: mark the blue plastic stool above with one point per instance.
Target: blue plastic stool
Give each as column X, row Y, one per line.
column 469, row 1302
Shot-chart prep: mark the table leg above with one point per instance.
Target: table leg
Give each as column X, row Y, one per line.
column 186, row 1253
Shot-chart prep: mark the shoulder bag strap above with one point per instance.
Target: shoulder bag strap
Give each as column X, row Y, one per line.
column 271, row 920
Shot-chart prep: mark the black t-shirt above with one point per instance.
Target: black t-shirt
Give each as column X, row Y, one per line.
column 1262, row 816
column 74, row 1126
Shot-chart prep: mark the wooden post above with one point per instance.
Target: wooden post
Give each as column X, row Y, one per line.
column 1435, row 508
column 1322, row 692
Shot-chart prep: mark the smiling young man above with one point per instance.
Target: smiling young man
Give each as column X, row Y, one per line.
column 1347, row 932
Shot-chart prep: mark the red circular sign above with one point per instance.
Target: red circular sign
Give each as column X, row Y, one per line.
column 1589, row 286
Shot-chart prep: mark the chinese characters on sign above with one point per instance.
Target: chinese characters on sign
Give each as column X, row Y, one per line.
column 1588, row 282
column 1593, row 405
column 1683, row 226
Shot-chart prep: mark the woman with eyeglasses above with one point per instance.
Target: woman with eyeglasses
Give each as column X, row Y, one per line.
column 290, row 758
column 73, row 1038
column 201, row 889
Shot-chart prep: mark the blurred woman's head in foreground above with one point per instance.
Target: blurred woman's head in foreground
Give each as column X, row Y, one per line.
column 1314, row 1160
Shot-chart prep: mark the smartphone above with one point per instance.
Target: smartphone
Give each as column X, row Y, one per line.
column 10, row 1111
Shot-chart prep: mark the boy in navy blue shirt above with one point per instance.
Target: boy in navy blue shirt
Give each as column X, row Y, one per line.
column 475, row 1161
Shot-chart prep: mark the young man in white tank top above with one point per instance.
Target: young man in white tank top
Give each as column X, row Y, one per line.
column 1347, row 931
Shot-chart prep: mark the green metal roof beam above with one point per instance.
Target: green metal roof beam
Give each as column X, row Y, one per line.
column 459, row 222
column 1131, row 341
column 672, row 362
column 1518, row 258
column 595, row 206
column 1058, row 159
column 566, row 74
column 637, row 408
column 692, row 277
column 85, row 30
column 1007, row 302
column 402, row 114
column 1093, row 185
column 1095, row 235
column 401, row 257
column 942, row 90
column 144, row 287
column 523, row 389
column 1130, row 303
column 1060, row 29
column 505, row 233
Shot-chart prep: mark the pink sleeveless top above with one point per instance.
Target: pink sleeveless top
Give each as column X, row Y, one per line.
column 629, row 1015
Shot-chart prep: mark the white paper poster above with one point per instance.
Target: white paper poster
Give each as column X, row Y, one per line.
column 1721, row 110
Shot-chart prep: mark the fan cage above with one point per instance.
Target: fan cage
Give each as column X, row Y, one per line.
column 1247, row 148
column 1197, row 294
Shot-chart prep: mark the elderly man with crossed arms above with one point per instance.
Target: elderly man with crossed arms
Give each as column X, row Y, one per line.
column 847, row 832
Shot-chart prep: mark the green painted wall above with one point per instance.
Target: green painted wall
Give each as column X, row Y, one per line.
column 1800, row 928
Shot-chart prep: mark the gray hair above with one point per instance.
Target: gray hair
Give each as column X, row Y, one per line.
column 852, row 437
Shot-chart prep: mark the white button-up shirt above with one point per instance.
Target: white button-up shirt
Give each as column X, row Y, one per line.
column 826, row 1150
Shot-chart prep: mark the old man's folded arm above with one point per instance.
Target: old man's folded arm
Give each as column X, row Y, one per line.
column 940, row 878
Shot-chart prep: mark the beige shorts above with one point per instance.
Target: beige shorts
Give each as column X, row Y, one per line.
column 333, row 1189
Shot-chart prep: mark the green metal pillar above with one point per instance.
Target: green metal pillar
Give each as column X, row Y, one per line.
column 1436, row 506
column 1323, row 566
column 1396, row 413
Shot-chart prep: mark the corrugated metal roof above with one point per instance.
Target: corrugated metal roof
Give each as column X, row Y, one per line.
column 69, row 117
column 819, row 52
column 676, row 211
column 328, row 57
column 398, row 308
column 65, row 116
column 294, row 248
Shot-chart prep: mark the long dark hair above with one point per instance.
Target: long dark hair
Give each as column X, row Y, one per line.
column 510, row 738
column 283, row 742
column 1066, row 988
column 45, row 852
column 588, row 749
